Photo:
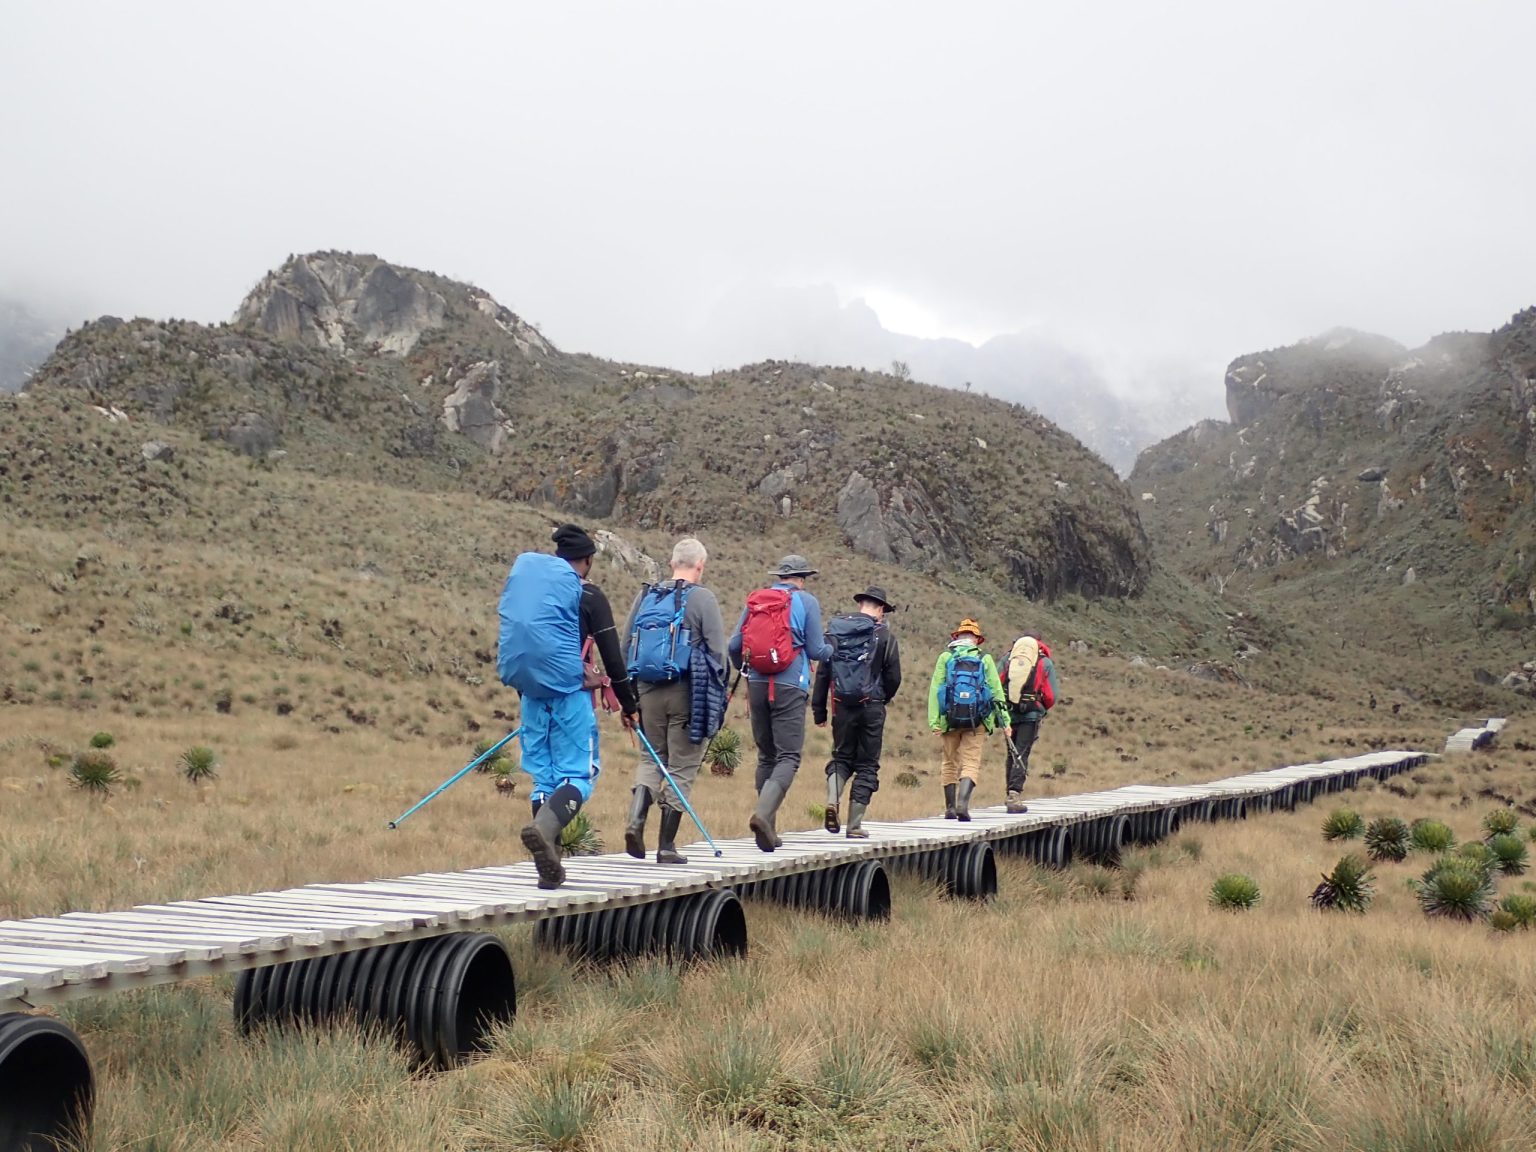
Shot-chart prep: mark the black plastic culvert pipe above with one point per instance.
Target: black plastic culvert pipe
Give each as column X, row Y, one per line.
column 438, row 996
column 968, row 870
column 699, row 926
column 46, row 1086
column 861, row 890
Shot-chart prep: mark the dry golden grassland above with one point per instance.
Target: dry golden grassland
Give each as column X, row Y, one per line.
column 329, row 640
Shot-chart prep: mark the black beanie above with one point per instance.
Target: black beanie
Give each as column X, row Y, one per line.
column 572, row 543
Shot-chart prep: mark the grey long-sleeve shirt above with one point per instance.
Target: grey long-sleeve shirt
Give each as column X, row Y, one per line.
column 701, row 616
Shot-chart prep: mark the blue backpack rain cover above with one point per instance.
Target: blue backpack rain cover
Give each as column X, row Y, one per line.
column 660, row 648
column 967, row 698
column 539, row 649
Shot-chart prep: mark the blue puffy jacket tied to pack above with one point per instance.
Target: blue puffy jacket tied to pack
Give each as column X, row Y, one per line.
column 660, row 648
column 539, row 648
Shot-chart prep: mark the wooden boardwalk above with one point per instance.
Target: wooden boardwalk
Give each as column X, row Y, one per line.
column 52, row 959
column 1471, row 739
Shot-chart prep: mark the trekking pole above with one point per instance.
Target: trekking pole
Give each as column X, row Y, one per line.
column 457, row 776
column 686, row 806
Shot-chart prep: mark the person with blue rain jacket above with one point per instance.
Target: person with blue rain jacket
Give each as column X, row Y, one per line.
column 777, row 638
column 550, row 615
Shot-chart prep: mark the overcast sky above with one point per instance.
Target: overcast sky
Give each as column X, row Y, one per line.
column 1188, row 180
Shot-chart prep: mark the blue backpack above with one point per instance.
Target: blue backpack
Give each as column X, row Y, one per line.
column 539, row 649
column 660, row 648
column 966, row 697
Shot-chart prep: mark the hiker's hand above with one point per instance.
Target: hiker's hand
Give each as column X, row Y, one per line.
column 1008, row 733
column 630, row 720
column 938, row 731
column 821, row 723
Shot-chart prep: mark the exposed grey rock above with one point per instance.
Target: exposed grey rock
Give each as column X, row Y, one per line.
column 251, row 433
column 1138, row 661
column 1484, row 677
column 471, row 408
column 1410, row 576
column 858, row 515
column 777, row 485
column 1078, row 647
column 336, row 301
column 157, row 450
column 1515, row 680
column 1372, row 475
column 628, row 557
column 1217, row 673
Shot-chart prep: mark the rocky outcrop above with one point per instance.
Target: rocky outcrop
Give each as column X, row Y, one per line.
column 1340, row 360
column 904, row 527
column 628, row 557
column 471, row 409
column 343, row 303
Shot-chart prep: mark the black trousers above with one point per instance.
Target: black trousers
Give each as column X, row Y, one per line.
column 778, row 730
column 1024, row 733
column 858, row 731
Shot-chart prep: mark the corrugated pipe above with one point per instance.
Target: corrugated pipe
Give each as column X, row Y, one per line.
column 439, row 996
column 46, row 1087
column 700, row 926
column 858, row 891
column 965, row 870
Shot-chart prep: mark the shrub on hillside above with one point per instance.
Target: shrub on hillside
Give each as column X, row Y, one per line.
column 102, row 740
column 1509, row 853
column 724, row 753
column 94, row 771
column 580, row 838
column 1342, row 824
column 199, row 763
column 1501, row 821
column 907, row 780
column 1234, row 891
column 1456, row 888
column 1431, row 836
column 1348, row 887
column 1386, row 838
column 1521, row 908
column 493, row 765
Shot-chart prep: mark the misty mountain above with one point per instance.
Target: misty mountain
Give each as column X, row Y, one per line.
column 26, row 339
column 1063, row 384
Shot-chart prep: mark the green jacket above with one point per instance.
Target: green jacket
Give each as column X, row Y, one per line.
column 999, row 713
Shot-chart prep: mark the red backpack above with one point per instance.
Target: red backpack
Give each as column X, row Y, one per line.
column 767, row 644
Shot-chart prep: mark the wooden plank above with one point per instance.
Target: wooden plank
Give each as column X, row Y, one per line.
column 46, row 954
column 158, row 955
column 12, row 989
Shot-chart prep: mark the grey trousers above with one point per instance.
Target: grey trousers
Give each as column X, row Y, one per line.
column 664, row 720
column 778, row 730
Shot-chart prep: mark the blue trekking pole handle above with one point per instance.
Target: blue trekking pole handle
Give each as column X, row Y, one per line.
column 668, row 776
column 457, row 776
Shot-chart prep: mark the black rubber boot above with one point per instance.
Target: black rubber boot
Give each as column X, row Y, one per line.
column 835, row 782
column 634, row 831
column 761, row 824
column 666, row 844
column 949, row 801
column 856, row 821
column 542, row 839
column 963, row 798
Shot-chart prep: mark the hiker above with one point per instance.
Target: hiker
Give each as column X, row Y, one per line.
column 1030, row 687
column 551, row 618
column 671, row 624
column 965, row 700
column 862, row 676
column 777, row 637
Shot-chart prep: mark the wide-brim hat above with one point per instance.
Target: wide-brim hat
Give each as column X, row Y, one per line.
column 877, row 594
column 968, row 626
column 793, row 566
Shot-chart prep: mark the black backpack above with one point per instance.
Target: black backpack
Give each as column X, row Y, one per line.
column 853, row 639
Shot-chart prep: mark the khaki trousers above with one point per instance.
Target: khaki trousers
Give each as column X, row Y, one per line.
column 664, row 719
column 962, row 755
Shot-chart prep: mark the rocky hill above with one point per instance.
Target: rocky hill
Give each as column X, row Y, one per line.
column 347, row 365
column 1353, row 455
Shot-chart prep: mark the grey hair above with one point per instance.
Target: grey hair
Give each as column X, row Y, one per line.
column 689, row 553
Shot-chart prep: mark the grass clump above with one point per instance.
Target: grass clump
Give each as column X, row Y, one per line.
column 907, row 779
column 1431, row 836
column 580, row 838
column 1501, row 822
column 731, row 1070
column 1235, row 891
column 1455, row 888
column 199, row 763
column 1348, row 887
column 1386, row 838
column 1521, row 908
column 497, row 765
column 557, row 1112
column 1343, row 824
column 1509, row 853
column 94, row 772
column 724, row 753
column 103, row 740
